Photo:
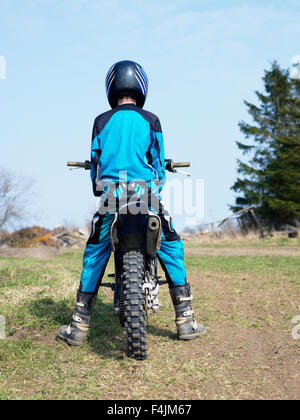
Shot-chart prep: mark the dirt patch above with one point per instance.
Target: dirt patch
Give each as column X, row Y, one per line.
column 254, row 252
column 49, row 252
column 42, row 252
column 44, row 338
column 249, row 350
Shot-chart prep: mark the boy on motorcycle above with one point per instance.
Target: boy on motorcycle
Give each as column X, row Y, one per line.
column 128, row 140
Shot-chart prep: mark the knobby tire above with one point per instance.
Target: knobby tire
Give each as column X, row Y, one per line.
column 134, row 304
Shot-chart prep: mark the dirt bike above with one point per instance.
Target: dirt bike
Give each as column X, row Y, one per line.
column 135, row 239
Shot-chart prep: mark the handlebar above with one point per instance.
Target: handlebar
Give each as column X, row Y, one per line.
column 169, row 165
column 86, row 164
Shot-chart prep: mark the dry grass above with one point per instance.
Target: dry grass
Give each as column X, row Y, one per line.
column 236, row 239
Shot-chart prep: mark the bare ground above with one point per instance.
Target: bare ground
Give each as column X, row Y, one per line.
column 38, row 252
column 244, row 251
column 248, row 345
column 49, row 252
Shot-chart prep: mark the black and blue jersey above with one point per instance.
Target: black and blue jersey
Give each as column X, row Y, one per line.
column 127, row 140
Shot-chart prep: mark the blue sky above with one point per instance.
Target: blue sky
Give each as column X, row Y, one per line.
column 203, row 58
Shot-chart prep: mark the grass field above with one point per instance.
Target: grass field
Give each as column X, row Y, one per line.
column 247, row 303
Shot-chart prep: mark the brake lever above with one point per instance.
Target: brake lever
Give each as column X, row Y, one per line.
column 72, row 169
column 178, row 171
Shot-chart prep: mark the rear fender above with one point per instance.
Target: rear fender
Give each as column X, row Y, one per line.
column 129, row 228
column 136, row 231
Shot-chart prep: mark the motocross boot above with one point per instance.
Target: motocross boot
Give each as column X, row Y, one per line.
column 75, row 333
column 187, row 327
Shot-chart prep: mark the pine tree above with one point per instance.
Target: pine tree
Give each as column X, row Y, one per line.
column 283, row 170
column 270, row 179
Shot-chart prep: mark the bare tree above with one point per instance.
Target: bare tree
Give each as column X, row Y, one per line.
column 15, row 199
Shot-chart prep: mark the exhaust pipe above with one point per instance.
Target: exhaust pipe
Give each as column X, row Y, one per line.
column 153, row 234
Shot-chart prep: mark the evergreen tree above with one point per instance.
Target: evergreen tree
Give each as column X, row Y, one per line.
column 270, row 180
column 283, row 171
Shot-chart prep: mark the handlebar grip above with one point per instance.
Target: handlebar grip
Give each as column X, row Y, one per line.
column 79, row 164
column 181, row 164
column 85, row 165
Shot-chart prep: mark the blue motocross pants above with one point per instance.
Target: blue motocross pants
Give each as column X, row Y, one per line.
column 98, row 249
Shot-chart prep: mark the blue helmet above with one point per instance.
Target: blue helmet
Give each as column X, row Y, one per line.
column 126, row 78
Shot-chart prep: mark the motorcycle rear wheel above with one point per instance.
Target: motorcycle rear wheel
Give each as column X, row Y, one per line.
column 134, row 304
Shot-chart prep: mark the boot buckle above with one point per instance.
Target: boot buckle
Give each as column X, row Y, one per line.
column 185, row 299
column 187, row 313
column 76, row 318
